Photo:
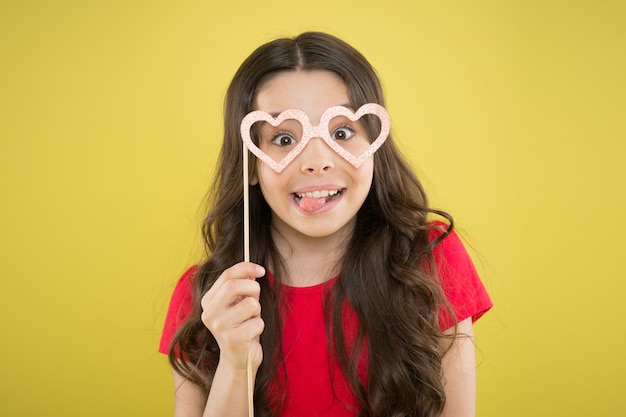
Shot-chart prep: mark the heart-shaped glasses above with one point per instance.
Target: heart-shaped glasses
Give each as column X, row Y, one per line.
column 320, row 131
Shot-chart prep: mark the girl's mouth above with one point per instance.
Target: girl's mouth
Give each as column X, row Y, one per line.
column 312, row 201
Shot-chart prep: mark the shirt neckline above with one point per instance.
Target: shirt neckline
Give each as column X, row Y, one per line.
column 311, row 289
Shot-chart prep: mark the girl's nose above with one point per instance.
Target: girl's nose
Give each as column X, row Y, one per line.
column 317, row 157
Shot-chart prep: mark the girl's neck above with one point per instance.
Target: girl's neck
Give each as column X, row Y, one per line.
column 309, row 261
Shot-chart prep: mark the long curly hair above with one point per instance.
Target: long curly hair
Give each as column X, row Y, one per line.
column 387, row 274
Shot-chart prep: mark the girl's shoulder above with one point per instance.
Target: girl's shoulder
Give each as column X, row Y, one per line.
column 179, row 308
column 450, row 248
column 437, row 228
column 458, row 277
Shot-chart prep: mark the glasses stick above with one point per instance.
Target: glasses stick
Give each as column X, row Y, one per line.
column 246, row 258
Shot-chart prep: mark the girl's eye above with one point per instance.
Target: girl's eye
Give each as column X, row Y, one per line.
column 283, row 139
column 343, row 133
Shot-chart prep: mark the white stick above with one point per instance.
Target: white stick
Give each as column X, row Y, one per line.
column 246, row 258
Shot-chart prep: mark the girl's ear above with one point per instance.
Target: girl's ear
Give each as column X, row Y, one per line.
column 254, row 179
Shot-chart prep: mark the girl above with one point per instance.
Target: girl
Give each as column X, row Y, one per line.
column 356, row 302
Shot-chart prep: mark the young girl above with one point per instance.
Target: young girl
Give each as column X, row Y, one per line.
column 356, row 302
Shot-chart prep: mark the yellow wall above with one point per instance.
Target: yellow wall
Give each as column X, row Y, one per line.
column 513, row 113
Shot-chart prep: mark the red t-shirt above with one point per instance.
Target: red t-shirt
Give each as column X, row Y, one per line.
column 316, row 385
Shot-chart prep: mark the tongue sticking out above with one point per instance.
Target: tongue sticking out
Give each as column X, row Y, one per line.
column 311, row 205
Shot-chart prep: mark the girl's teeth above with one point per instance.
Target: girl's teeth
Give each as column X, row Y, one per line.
column 318, row 193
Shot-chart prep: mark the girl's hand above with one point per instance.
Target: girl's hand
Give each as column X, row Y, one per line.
column 232, row 312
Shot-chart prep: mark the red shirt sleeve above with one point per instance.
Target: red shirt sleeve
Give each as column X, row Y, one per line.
column 179, row 309
column 460, row 282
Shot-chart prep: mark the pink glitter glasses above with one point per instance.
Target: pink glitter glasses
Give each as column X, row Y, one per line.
column 320, row 131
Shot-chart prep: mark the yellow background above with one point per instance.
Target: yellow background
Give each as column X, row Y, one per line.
column 513, row 113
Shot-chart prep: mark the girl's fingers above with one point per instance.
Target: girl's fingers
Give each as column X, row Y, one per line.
column 246, row 333
column 234, row 283
column 232, row 312
column 242, row 270
column 219, row 320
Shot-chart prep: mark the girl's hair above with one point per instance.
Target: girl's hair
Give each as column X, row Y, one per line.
column 387, row 274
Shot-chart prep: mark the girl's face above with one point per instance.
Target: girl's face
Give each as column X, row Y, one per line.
column 319, row 193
